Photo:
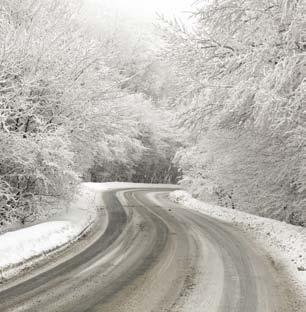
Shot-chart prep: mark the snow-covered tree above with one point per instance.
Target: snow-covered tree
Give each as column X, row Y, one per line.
column 240, row 90
column 68, row 110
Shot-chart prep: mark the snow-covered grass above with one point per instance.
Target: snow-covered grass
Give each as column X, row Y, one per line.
column 21, row 249
column 284, row 243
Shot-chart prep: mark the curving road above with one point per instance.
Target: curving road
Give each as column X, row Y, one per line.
column 154, row 255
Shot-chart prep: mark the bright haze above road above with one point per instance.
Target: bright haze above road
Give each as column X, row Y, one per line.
column 138, row 12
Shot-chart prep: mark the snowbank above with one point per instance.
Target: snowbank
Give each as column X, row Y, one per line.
column 22, row 248
column 18, row 246
column 284, row 243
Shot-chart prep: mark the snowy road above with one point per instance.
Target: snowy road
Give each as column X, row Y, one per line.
column 156, row 256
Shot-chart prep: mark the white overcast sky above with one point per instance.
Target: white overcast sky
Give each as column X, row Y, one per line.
column 139, row 9
column 149, row 7
column 135, row 17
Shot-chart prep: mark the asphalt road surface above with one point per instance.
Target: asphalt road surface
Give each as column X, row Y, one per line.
column 153, row 255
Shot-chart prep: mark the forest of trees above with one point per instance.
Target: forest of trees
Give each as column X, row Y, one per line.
column 219, row 108
column 65, row 116
column 240, row 90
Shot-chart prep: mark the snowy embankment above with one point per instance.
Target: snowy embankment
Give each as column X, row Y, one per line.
column 21, row 249
column 285, row 244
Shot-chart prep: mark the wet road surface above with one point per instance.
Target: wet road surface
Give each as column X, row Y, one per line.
column 156, row 256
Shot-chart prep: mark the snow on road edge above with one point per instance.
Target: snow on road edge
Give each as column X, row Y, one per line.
column 284, row 243
column 22, row 249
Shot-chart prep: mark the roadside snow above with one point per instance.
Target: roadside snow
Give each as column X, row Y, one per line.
column 284, row 243
column 124, row 185
column 22, row 248
column 18, row 246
